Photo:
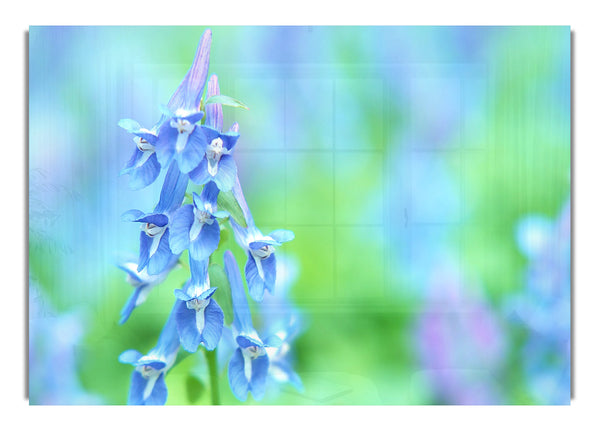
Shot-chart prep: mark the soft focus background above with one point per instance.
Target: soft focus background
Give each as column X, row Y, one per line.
column 424, row 170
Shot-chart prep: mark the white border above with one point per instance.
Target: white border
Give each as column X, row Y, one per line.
column 15, row 21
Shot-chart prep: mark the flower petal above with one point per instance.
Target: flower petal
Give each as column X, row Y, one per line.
column 159, row 220
column 200, row 175
column 206, row 242
column 136, row 390
column 242, row 320
column 132, row 215
column 130, row 304
column 260, row 369
column 173, row 190
column 214, row 111
column 145, row 174
column 165, row 144
column 226, row 173
column 180, row 294
column 130, row 356
column 189, row 92
column 282, row 235
column 247, row 341
column 158, row 397
column 256, row 285
column 145, row 244
column 270, row 270
column 255, row 245
column 237, row 379
column 189, row 336
column 193, row 152
column 209, row 195
column 213, row 325
column 230, row 139
column 159, row 260
column 179, row 229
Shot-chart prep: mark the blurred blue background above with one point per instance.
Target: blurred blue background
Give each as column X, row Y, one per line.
column 424, row 170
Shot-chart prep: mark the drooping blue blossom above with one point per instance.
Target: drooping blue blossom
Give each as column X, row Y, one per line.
column 195, row 227
column 143, row 167
column 142, row 284
column 217, row 164
column 148, row 385
column 283, row 320
column 261, row 267
column 199, row 317
column 281, row 367
column 249, row 366
column 179, row 137
column 155, row 253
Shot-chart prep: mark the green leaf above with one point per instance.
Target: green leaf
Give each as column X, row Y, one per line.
column 222, row 295
column 227, row 202
column 226, row 100
column 194, row 388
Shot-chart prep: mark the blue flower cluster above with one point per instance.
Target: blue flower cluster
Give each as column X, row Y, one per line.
column 189, row 143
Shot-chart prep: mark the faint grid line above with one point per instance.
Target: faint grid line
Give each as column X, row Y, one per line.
column 334, row 200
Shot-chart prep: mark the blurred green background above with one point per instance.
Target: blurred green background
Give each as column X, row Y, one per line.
column 405, row 159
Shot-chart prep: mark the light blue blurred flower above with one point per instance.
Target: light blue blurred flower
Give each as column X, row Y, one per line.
column 461, row 343
column 54, row 339
column 544, row 305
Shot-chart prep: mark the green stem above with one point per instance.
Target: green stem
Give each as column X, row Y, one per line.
column 211, row 359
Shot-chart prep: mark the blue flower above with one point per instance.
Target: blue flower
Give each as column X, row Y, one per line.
column 199, row 317
column 196, row 226
column 155, row 252
column 181, row 139
column 178, row 135
column 281, row 369
column 249, row 366
column 148, row 385
column 216, row 163
column 142, row 283
column 143, row 167
column 261, row 267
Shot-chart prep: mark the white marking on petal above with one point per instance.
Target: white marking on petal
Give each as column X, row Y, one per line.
column 195, row 229
column 145, row 156
column 184, row 128
column 198, row 305
column 249, row 353
column 259, row 267
column 154, row 232
column 200, row 321
column 214, row 151
column 150, row 386
column 247, row 366
column 151, row 375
